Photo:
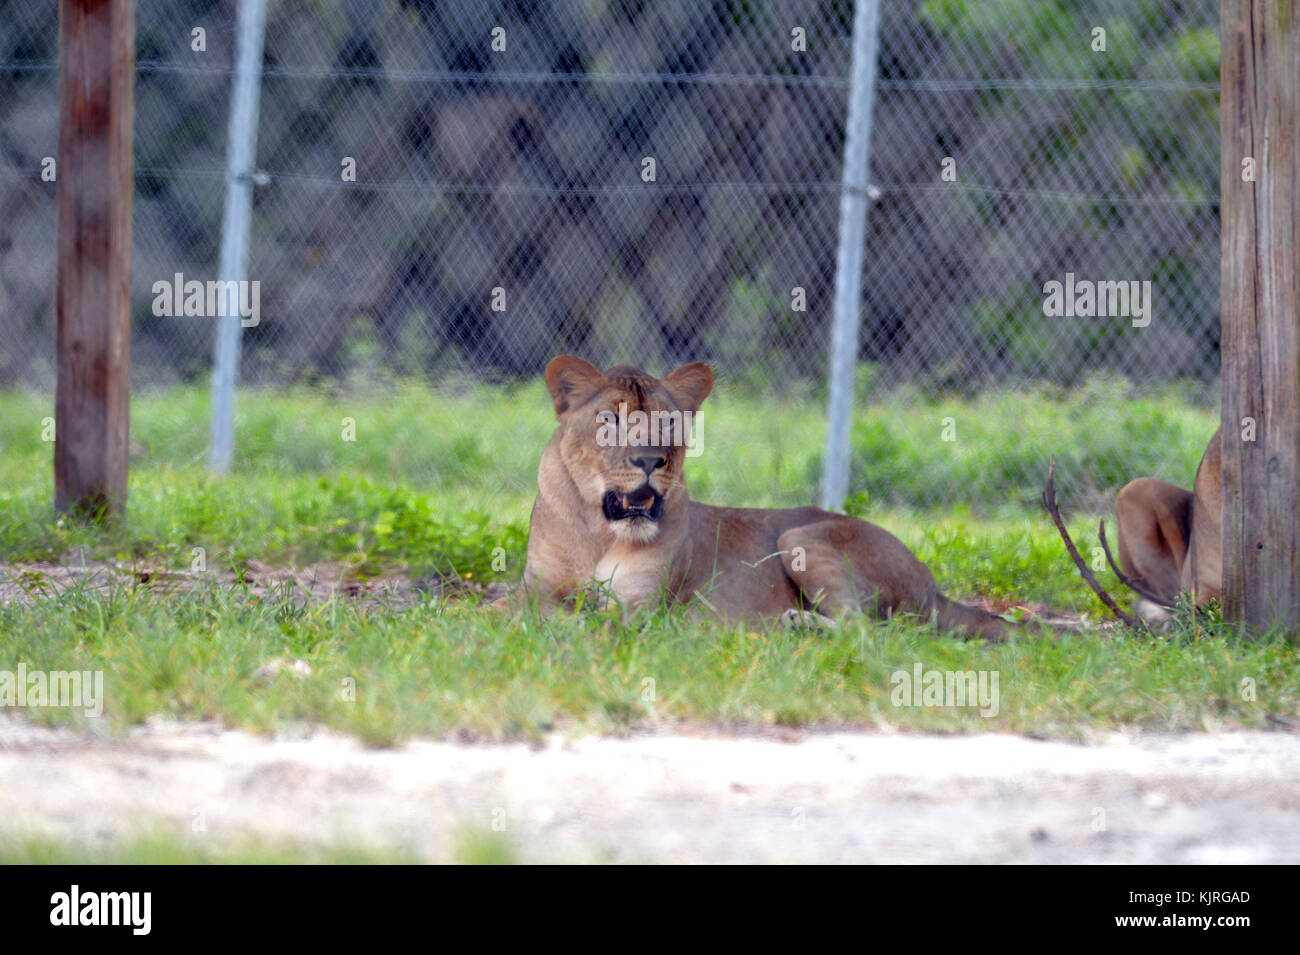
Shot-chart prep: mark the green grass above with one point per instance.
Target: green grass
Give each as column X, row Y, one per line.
column 438, row 480
column 163, row 847
column 390, row 674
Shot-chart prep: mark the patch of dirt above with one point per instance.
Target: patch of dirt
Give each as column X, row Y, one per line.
column 319, row 582
column 677, row 795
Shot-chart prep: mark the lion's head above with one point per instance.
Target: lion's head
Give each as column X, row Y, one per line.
column 624, row 437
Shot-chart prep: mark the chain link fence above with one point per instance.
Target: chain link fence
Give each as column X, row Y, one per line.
column 652, row 182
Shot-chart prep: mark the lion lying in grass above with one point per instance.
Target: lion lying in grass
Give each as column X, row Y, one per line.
column 612, row 508
column 1170, row 539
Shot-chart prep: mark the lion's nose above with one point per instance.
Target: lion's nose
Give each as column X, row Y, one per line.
column 649, row 465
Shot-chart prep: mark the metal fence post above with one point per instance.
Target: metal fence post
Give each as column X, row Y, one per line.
column 240, row 156
column 848, row 258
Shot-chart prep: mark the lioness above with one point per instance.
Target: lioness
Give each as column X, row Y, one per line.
column 617, row 513
column 1170, row 539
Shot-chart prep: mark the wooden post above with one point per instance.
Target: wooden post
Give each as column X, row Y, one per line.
column 1260, row 208
column 93, row 312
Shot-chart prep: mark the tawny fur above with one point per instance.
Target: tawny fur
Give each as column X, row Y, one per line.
column 740, row 564
column 1170, row 539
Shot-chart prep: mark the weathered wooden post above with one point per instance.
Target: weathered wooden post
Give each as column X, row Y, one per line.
column 1260, row 208
column 93, row 306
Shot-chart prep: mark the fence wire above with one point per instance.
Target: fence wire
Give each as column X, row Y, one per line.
column 651, row 182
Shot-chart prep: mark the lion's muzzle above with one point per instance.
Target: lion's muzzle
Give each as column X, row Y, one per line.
column 643, row 502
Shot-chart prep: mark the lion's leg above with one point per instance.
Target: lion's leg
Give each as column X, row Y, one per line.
column 521, row 599
column 1154, row 525
column 842, row 565
column 529, row 595
column 794, row 619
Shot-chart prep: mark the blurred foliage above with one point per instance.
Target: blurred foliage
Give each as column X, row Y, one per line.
column 521, row 170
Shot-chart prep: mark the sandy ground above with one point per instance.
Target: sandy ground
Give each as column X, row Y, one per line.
column 671, row 795
column 678, row 795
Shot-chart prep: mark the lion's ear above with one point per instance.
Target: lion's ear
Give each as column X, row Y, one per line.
column 691, row 384
column 571, row 380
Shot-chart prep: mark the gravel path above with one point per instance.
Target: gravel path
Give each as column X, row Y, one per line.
column 681, row 795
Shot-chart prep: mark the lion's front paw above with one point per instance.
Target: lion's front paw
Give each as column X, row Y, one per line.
column 794, row 619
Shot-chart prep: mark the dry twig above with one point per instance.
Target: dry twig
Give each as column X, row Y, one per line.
column 1049, row 502
column 1127, row 581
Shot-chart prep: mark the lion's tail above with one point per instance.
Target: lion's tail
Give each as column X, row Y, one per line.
column 952, row 616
